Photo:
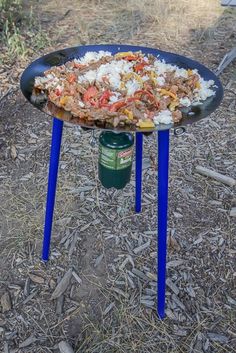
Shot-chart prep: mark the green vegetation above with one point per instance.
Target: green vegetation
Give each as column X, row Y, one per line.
column 20, row 33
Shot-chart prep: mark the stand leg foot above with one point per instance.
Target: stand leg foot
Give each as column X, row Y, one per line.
column 138, row 171
column 163, row 166
column 52, row 185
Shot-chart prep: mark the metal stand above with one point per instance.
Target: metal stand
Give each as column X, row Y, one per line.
column 138, row 171
column 52, row 185
column 163, row 161
column 163, row 166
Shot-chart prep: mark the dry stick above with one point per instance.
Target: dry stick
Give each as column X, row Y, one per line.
column 217, row 176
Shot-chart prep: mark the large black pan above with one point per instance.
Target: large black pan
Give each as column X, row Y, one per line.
column 191, row 114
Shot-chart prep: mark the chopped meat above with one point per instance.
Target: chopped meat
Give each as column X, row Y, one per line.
column 177, row 116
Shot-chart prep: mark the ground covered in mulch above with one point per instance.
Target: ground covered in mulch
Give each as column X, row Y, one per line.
column 98, row 291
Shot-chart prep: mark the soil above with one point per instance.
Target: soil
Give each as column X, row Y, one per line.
column 109, row 304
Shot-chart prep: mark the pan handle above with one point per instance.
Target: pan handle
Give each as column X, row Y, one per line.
column 180, row 130
column 227, row 59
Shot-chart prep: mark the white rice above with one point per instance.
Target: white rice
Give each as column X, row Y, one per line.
column 160, row 80
column 115, row 97
column 114, row 69
column 181, row 73
column 90, row 76
column 164, row 117
column 161, row 67
column 114, row 80
column 132, row 86
column 92, row 56
column 49, row 81
column 204, row 92
column 81, row 104
column 145, row 78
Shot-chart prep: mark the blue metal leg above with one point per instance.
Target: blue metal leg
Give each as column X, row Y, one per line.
column 52, row 185
column 163, row 166
column 138, row 171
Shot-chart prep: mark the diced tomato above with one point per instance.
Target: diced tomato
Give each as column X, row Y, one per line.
column 94, row 102
column 103, row 100
column 90, row 96
column 58, row 92
column 140, row 66
column 71, row 77
column 132, row 99
column 91, row 92
column 117, row 105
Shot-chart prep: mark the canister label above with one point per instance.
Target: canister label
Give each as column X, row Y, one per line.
column 115, row 159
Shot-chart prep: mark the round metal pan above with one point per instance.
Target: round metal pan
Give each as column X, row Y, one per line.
column 60, row 57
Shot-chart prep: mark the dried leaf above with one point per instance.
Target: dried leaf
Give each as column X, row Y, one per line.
column 108, row 308
column 60, row 304
column 174, row 263
column 217, row 337
column 65, row 347
column 13, row 152
column 148, row 303
column 121, row 292
column 172, row 243
column 98, row 260
column 233, row 212
column 139, row 274
column 172, row 286
column 62, row 285
column 141, row 247
column 30, row 340
column 27, row 287
column 6, row 302
column 76, row 277
column 36, row 278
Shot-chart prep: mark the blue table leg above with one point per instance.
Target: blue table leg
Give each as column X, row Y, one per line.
column 52, row 185
column 163, row 166
column 138, row 171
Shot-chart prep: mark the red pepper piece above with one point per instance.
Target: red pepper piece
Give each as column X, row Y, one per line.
column 131, row 57
column 91, row 92
column 103, row 100
column 140, row 66
column 132, row 99
column 117, row 105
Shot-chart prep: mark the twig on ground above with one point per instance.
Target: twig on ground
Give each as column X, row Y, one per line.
column 215, row 175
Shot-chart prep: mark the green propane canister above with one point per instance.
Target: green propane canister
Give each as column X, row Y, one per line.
column 115, row 158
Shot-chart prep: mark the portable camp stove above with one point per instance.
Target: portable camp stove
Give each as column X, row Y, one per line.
column 191, row 115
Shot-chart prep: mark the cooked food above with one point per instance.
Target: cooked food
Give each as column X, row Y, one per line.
column 128, row 88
